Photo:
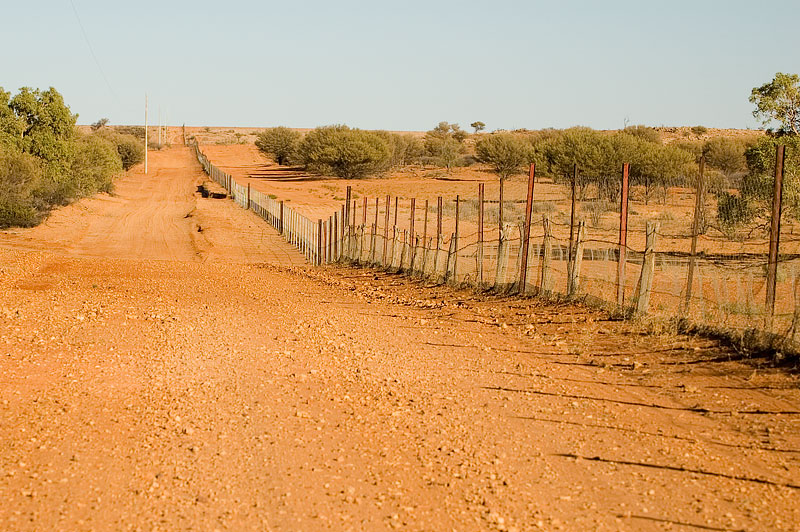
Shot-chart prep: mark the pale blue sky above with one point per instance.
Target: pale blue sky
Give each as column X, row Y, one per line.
column 404, row 65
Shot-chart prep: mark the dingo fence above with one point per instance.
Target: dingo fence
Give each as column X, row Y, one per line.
column 664, row 263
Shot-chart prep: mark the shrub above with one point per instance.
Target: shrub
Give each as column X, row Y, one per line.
column 94, row 166
column 699, row 130
column 445, row 143
column 129, row 147
column 732, row 210
column 344, row 152
column 20, row 176
column 280, row 143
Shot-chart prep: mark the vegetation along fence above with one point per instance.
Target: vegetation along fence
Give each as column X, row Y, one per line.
column 666, row 258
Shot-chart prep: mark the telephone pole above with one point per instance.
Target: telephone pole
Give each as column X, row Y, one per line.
column 145, row 133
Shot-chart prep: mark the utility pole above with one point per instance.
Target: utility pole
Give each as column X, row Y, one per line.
column 145, row 133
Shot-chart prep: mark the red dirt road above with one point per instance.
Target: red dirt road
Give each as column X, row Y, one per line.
column 157, row 377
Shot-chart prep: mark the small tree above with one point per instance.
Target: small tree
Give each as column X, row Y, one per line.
column 279, row 142
column 478, row 126
column 445, row 143
column 504, row 152
column 100, row 124
column 779, row 100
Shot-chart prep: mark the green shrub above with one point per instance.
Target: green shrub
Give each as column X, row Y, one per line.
column 699, row 130
column 733, row 210
column 344, row 152
column 280, row 143
column 20, row 176
column 94, row 166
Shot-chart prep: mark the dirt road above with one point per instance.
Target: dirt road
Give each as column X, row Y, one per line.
column 168, row 363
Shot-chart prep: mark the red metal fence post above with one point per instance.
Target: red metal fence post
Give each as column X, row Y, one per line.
column 480, row 235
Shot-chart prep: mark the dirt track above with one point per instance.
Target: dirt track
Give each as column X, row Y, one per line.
column 154, row 376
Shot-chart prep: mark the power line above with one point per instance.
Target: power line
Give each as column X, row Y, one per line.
column 91, row 50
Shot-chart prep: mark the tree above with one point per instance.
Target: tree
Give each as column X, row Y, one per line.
column 279, row 142
column 478, row 126
column 779, row 100
column 344, row 152
column 100, row 124
column 47, row 124
column 504, row 152
column 645, row 133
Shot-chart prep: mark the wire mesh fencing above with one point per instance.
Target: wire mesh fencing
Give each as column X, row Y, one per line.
column 636, row 253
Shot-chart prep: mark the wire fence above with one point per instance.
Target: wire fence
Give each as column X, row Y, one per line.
column 655, row 260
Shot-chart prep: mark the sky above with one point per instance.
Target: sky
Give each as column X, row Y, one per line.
column 403, row 65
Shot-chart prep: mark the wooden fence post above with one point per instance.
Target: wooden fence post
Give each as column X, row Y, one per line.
column 526, row 232
column 774, row 236
column 479, row 257
column 386, row 232
column 648, row 269
column 546, row 283
column 319, row 242
column 698, row 213
column 503, row 253
column 577, row 260
column 623, row 236
column 571, row 228
column 455, row 245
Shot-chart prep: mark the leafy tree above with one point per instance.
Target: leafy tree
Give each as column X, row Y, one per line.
column 478, row 126
column 506, row 153
column 344, row 152
column 48, row 125
column 279, row 142
column 779, row 100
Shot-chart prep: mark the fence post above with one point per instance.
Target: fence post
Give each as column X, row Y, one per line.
column 648, row 267
column 411, row 235
column 623, row 235
column 502, row 260
column 570, row 264
column 319, row 242
column 450, row 253
column 774, row 236
column 455, row 245
column 577, row 260
column 698, row 213
column 526, row 233
column 336, row 236
column 403, row 250
column 546, row 283
column 248, row 196
column 480, row 236
column 386, row 231
column 438, row 233
column 424, row 239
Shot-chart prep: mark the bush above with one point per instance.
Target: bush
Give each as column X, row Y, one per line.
column 280, row 143
column 129, row 147
column 94, row 166
column 20, row 176
column 699, row 130
column 344, row 152
column 733, row 211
